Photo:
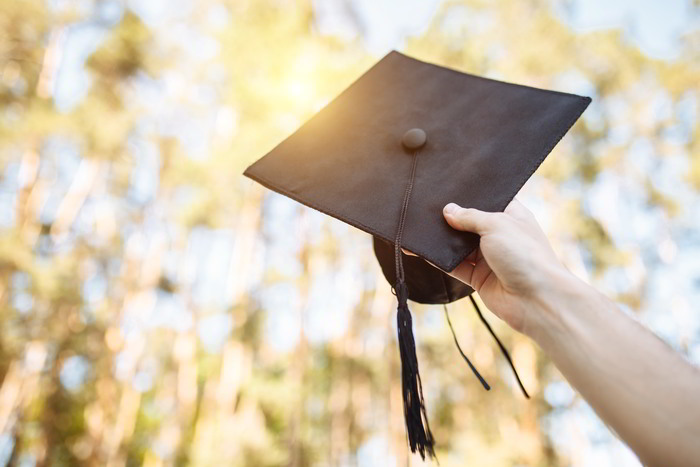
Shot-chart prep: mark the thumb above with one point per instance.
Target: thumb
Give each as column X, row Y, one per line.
column 467, row 219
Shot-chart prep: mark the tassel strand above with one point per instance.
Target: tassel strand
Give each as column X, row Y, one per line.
column 420, row 438
column 503, row 348
column 466, row 359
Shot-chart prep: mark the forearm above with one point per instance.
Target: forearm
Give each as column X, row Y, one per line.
column 640, row 387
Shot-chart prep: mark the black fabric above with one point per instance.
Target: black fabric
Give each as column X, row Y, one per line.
column 484, row 140
column 426, row 283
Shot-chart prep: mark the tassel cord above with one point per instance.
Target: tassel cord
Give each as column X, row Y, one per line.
column 466, row 359
column 500, row 344
column 400, row 276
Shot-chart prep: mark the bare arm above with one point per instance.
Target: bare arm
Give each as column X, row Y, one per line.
column 639, row 386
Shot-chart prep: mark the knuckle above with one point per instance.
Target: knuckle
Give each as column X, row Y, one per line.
column 500, row 220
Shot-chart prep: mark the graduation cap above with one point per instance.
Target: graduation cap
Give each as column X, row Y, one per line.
column 392, row 150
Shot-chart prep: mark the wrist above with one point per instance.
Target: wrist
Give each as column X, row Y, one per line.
column 549, row 309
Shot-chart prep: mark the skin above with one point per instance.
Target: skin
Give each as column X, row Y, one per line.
column 646, row 392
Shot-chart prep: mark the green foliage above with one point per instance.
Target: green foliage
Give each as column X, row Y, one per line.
column 87, row 256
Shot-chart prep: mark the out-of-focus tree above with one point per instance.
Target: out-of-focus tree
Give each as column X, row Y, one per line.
column 157, row 309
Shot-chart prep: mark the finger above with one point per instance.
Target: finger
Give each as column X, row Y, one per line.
column 473, row 257
column 406, row 252
column 468, row 220
column 463, row 272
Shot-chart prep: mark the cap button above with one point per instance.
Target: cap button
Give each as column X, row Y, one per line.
column 414, row 138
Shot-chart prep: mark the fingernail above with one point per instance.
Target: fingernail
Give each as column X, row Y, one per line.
column 451, row 208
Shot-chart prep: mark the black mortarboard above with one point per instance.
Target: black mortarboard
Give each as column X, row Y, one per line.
column 392, row 150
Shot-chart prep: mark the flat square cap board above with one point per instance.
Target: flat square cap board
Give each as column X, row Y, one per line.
column 392, row 150
column 485, row 138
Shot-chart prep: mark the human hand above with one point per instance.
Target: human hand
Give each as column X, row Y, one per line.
column 513, row 265
column 622, row 370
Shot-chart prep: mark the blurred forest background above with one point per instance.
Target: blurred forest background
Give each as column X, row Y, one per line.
column 156, row 308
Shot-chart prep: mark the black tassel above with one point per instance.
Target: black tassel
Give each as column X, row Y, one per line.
column 466, row 359
column 500, row 345
column 419, row 436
